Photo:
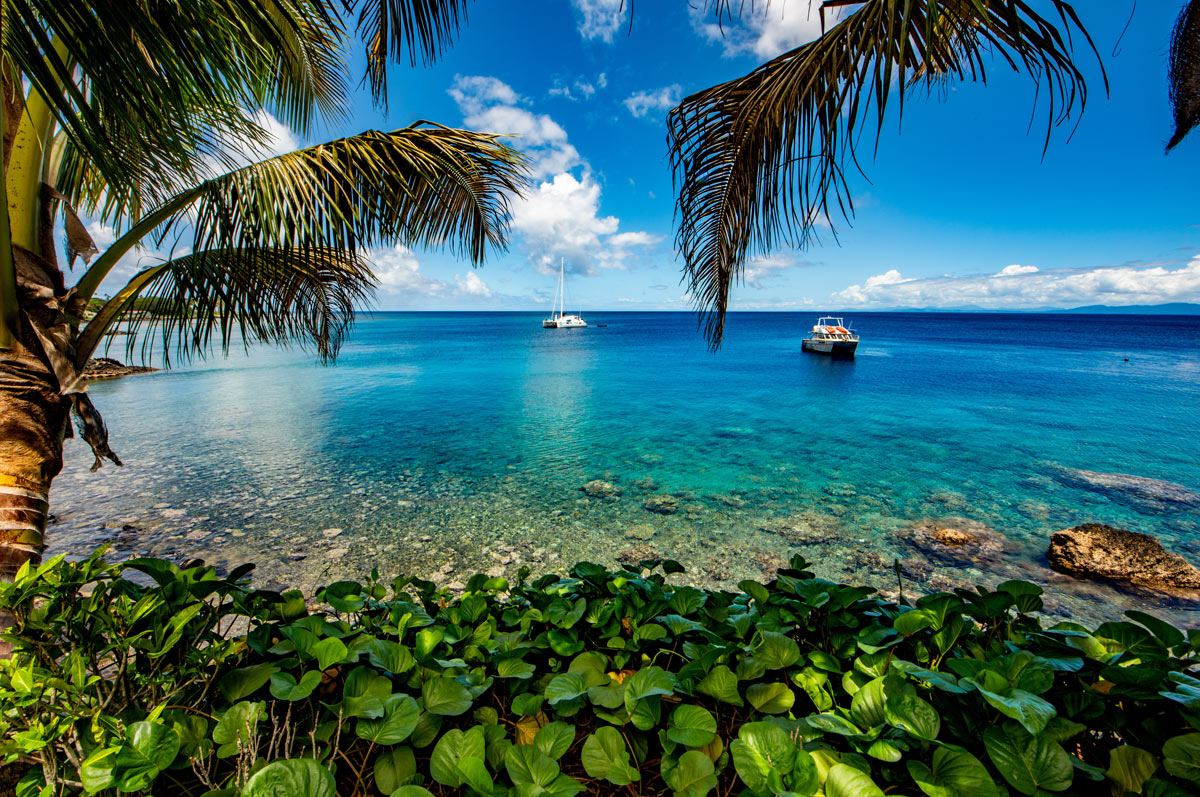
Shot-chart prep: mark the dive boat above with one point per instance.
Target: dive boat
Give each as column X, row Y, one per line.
column 831, row 336
column 559, row 318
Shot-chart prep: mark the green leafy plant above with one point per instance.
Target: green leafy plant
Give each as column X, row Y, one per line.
column 144, row 677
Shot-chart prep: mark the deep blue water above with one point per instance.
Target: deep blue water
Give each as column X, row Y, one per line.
column 477, row 430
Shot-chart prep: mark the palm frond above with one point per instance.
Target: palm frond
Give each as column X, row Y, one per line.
column 423, row 28
column 421, row 185
column 151, row 91
column 760, row 160
column 1185, row 72
column 191, row 304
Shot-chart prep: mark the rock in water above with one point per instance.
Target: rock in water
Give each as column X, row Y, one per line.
column 598, row 488
column 1141, row 492
column 1103, row 552
column 955, row 541
column 661, row 504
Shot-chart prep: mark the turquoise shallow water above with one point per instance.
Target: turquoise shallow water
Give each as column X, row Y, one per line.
column 449, row 442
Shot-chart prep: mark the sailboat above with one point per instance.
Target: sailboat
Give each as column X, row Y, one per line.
column 559, row 318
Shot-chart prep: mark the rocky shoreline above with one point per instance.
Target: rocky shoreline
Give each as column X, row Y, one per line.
column 444, row 528
column 108, row 368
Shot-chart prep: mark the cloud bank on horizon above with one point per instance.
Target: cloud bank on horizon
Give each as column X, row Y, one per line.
column 1019, row 287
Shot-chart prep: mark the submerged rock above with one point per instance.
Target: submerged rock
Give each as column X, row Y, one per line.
column 955, row 541
column 1097, row 551
column 1141, row 492
column 598, row 488
column 662, row 504
column 631, row 556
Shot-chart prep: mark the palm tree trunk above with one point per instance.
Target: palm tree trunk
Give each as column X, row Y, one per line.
column 33, row 422
column 34, row 418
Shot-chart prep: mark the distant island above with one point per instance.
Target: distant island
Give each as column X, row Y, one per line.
column 1172, row 308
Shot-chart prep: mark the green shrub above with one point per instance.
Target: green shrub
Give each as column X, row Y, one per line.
column 144, row 677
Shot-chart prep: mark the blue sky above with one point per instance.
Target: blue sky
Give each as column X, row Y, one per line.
column 960, row 207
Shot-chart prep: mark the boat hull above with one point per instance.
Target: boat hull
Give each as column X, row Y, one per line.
column 834, row 348
column 563, row 323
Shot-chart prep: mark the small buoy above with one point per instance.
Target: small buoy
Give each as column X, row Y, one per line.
column 1126, row 359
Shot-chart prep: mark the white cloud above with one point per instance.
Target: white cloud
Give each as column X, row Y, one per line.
column 1010, row 271
column 399, row 272
column 600, row 19
column 491, row 106
column 1017, row 287
column 643, row 102
column 472, row 285
column 473, row 92
column 637, row 238
column 766, row 30
column 560, row 218
column 758, row 269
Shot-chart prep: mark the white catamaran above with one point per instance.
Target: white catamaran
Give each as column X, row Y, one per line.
column 559, row 318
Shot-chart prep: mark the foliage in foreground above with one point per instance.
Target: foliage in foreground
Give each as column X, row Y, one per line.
column 142, row 677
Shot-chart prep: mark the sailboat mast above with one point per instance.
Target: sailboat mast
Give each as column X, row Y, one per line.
column 562, row 300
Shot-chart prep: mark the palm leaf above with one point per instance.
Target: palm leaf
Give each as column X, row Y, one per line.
column 221, row 297
column 1185, row 72
column 423, row 28
column 151, row 91
column 421, row 186
column 758, row 161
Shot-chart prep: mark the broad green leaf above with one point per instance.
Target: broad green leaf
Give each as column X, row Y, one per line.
column 294, row 777
column 329, row 652
column 96, row 771
column 692, row 776
column 451, row 749
column 773, row 698
column 761, row 749
column 555, row 739
column 591, row 666
column 390, row 656
column 411, row 791
column 846, row 781
column 721, row 684
column 527, row 705
column 400, row 714
column 528, row 765
column 1028, row 762
column 475, row 774
column 777, row 651
column 245, row 681
column 1130, row 767
column 236, row 725
column 284, row 686
column 565, row 686
column 605, row 757
column 867, row 705
column 1028, row 709
column 692, row 726
column 1181, row 756
column 647, row 682
column 953, row 774
column 913, row 621
column 393, row 767
column 446, row 696
column 515, row 668
column 914, row 715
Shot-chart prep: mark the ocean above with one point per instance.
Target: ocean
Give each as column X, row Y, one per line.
column 442, row 444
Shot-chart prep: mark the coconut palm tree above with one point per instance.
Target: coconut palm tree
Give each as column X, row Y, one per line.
column 125, row 110
column 763, row 159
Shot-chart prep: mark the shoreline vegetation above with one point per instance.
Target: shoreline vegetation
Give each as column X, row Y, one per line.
column 144, row 676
